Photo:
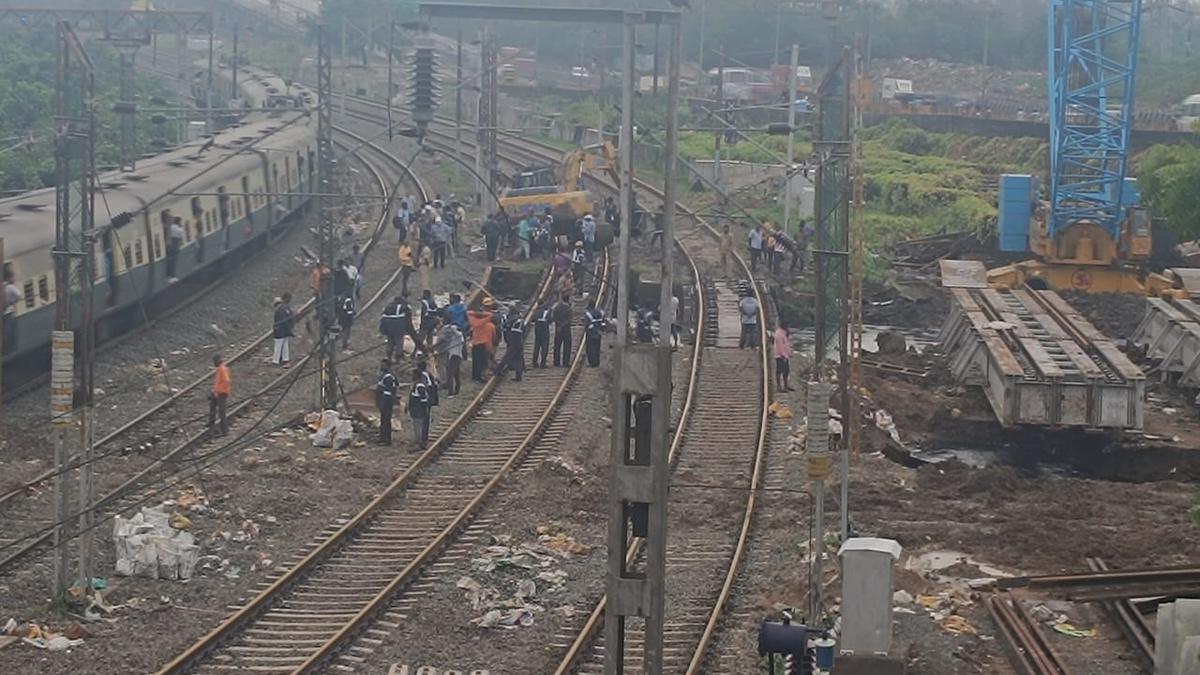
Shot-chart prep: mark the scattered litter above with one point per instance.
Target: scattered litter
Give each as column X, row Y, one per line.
column 563, row 543
column 958, row 625
column 180, row 521
column 885, row 423
column 525, row 589
column 250, row 528
column 6, row 640
column 75, row 631
column 1069, row 629
column 232, row 572
column 147, row 545
column 902, row 597
column 780, row 411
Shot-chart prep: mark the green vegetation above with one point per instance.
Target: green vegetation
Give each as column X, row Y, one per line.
column 27, row 75
column 1168, row 176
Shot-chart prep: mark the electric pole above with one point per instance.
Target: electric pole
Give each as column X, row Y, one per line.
column 640, row 469
column 489, row 119
column 458, row 100
column 74, row 217
column 791, row 140
column 327, row 396
column 236, row 66
column 720, row 133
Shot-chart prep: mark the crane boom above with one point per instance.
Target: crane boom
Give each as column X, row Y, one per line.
column 1093, row 48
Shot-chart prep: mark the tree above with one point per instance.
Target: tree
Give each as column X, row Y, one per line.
column 1168, row 176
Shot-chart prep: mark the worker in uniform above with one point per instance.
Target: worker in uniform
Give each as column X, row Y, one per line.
column 218, row 397
column 541, row 335
column 578, row 258
column 594, row 323
column 345, row 318
column 432, row 386
column 643, row 330
column 562, row 315
column 514, row 340
column 419, row 409
column 395, row 323
column 428, row 315
column 385, row 400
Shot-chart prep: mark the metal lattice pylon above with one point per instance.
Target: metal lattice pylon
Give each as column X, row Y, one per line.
column 1092, row 64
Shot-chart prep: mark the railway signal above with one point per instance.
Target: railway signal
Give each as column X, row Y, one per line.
column 423, row 92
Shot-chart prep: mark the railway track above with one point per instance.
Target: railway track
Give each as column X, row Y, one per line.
column 720, row 436
column 1027, row 646
column 306, row 616
column 133, row 472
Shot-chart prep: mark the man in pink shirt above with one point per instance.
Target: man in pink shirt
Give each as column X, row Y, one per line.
column 783, row 357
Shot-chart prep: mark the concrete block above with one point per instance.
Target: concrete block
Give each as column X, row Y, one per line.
column 855, row 664
column 1177, row 638
column 867, row 564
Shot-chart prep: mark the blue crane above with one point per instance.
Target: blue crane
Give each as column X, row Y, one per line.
column 1092, row 64
column 1088, row 224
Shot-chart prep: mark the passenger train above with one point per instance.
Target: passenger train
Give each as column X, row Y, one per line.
column 232, row 191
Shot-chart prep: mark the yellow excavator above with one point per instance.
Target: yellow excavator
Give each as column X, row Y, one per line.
column 561, row 188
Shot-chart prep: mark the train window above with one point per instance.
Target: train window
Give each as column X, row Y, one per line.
column 287, row 171
column 128, row 253
column 157, row 247
column 165, row 217
column 44, row 288
column 197, row 209
column 299, row 166
column 138, row 255
column 207, row 222
column 212, row 219
column 29, row 293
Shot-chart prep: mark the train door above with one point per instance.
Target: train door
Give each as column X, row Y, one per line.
column 223, row 214
column 246, row 204
column 198, row 228
column 287, row 177
column 108, row 268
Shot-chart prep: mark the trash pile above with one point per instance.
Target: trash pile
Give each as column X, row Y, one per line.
column 37, row 635
column 530, row 570
column 155, row 544
column 329, row 430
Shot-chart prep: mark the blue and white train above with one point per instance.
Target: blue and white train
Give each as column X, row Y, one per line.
column 231, row 197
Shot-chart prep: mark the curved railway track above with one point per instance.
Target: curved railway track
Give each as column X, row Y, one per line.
column 139, row 475
column 720, row 443
column 305, row 617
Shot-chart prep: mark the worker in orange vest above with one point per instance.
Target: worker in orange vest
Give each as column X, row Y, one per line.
column 218, row 398
column 483, row 334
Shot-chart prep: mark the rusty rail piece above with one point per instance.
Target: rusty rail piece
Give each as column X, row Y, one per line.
column 1039, row 361
column 1027, row 646
column 113, row 498
column 346, row 626
column 1104, row 577
column 1125, row 614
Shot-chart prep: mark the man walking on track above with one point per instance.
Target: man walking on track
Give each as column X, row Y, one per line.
column 594, row 323
column 755, row 240
column 541, row 336
column 385, row 400
column 783, row 357
column 748, row 309
column 282, row 330
column 562, row 331
column 218, row 398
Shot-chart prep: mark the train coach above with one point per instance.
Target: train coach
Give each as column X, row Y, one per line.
column 231, row 192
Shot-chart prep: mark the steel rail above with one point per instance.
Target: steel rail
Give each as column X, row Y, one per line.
column 176, row 453
column 1028, row 648
column 1131, row 622
column 312, row 561
column 588, row 631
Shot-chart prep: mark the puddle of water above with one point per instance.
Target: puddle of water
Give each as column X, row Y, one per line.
column 928, row 564
column 976, row 458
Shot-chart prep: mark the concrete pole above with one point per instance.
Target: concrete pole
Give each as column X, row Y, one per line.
column 700, row 54
column 208, row 89
column 234, row 93
column 720, row 117
column 479, row 122
column 458, row 103
column 344, row 65
column 654, row 91
column 791, row 142
column 616, row 580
